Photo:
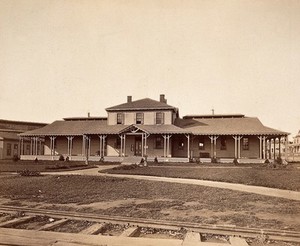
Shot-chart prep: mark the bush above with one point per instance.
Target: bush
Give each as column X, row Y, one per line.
column 61, row 158
column 36, row 159
column 16, row 157
column 267, row 161
column 214, row 160
column 67, row 159
column 235, row 161
column 28, row 173
column 279, row 160
column 155, row 160
column 126, row 167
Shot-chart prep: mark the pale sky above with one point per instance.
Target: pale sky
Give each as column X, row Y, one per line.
column 65, row 58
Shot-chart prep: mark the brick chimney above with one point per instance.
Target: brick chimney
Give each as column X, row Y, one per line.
column 162, row 98
column 129, row 99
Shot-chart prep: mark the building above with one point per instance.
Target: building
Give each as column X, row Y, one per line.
column 153, row 129
column 9, row 139
column 295, row 148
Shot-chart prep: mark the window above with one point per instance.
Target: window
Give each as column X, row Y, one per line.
column 158, row 143
column 159, row 118
column 201, row 144
column 120, row 118
column 223, row 143
column 180, row 144
column 245, row 143
column 8, row 150
column 139, row 118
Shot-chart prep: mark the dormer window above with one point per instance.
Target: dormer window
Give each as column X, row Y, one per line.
column 139, row 118
column 159, row 118
column 120, row 118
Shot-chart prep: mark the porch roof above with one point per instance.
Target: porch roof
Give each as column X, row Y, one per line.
column 74, row 128
column 227, row 126
column 157, row 129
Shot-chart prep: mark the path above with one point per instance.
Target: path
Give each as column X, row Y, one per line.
column 287, row 194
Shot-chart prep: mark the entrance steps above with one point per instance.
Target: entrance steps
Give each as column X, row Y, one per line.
column 130, row 160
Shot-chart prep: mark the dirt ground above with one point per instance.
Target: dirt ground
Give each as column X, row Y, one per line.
column 153, row 200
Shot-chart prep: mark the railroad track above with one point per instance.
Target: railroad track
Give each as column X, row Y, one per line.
column 51, row 221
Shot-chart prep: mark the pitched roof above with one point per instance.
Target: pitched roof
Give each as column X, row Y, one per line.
column 227, row 126
column 142, row 104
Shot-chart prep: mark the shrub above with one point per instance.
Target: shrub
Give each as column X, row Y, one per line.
column 67, row 158
column 235, row 161
column 102, row 159
column 28, row 173
column 16, row 157
column 214, row 160
column 279, row 160
column 126, row 167
column 36, row 159
column 155, row 160
column 267, row 161
column 61, row 158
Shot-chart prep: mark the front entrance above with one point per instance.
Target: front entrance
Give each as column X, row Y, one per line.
column 138, row 146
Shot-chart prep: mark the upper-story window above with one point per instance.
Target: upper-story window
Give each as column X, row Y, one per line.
column 139, row 118
column 159, row 118
column 120, row 118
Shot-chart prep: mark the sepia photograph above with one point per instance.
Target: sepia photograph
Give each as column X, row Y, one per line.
column 150, row 122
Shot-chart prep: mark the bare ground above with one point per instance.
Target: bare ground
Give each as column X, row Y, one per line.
column 154, row 200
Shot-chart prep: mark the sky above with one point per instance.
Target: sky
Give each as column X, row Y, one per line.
column 65, row 58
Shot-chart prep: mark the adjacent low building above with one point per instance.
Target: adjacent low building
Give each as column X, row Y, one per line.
column 153, row 129
column 10, row 144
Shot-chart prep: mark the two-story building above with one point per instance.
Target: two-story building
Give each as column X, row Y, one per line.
column 153, row 129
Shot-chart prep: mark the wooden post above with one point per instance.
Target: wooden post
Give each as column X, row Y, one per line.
column 211, row 145
column 279, row 145
column 124, row 152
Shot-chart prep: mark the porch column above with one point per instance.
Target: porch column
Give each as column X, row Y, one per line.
column 211, row 145
column 31, row 150
column 279, row 145
column 239, row 146
column 103, row 145
column 70, row 145
column 260, row 147
column 146, row 146
column 235, row 146
column 100, row 145
column 165, row 138
column 89, row 145
column 83, row 152
column 36, row 145
column 50, row 146
column 264, row 148
column 188, row 145
column 168, row 145
column 124, row 152
column 121, row 149
column 274, row 144
column 22, row 146
column 270, row 148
